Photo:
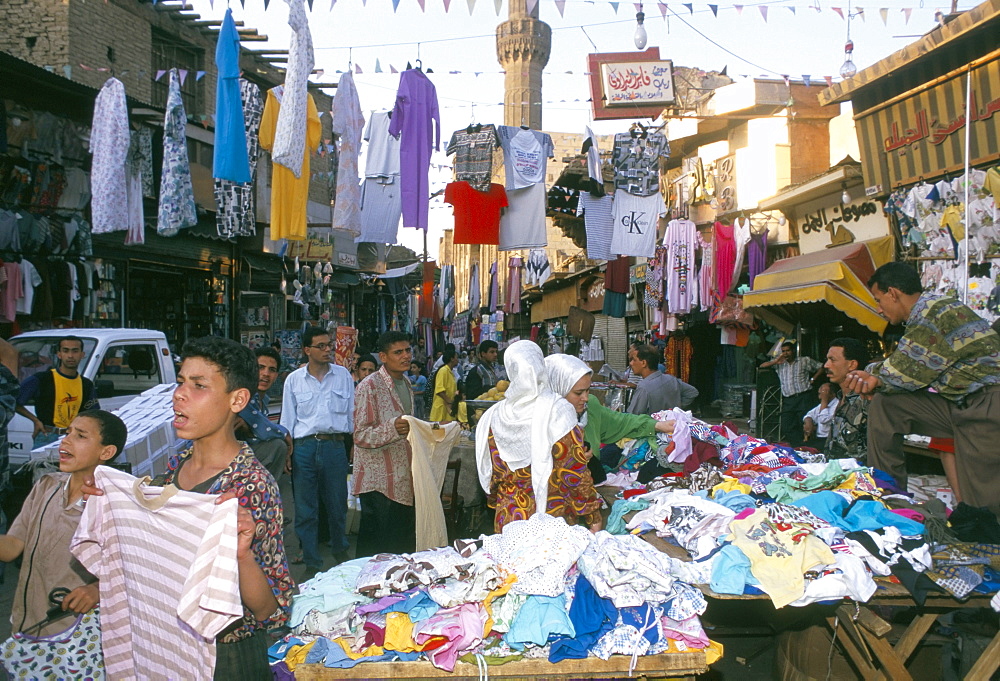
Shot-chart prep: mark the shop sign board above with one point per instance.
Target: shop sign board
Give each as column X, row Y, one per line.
column 592, row 295
column 923, row 135
column 826, row 222
column 630, row 84
column 725, row 184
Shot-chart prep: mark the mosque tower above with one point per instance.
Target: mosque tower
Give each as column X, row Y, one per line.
column 523, row 47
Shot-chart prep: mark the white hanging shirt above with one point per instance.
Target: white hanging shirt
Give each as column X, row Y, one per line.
column 525, row 155
column 166, row 560
column 522, row 224
column 635, row 222
column 109, row 142
column 382, row 156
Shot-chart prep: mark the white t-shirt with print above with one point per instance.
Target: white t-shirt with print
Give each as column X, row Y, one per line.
column 635, row 222
column 525, row 155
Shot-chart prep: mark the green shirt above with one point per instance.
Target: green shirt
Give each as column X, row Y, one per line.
column 947, row 348
column 606, row 425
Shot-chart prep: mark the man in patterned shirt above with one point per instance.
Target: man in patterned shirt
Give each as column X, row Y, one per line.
column 849, row 431
column 942, row 380
column 797, row 397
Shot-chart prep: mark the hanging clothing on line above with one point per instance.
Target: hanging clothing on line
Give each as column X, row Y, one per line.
column 347, row 124
column 757, row 256
column 706, row 282
column 473, row 148
column 109, row 143
column 725, row 258
column 523, row 223
column 681, row 239
column 742, row 230
column 677, row 357
column 494, row 301
column 235, row 202
column 635, row 223
column 477, row 213
column 599, row 223
column 293, row 131
column 592, row 149
column 525, row 156
column 177, row 209
column 416, row 121
column 381, row 202
column 537, row 269
column 513, row 305
column 474, row 292
column 636, row 160
column 230, row 160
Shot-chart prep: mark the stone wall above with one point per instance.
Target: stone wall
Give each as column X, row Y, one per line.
column 36, row 31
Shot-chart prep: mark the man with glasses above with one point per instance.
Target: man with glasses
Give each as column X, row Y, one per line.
column 318, row 410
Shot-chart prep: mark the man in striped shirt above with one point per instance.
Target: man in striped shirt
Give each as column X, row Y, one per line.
column 942, row 380
column 795, row 375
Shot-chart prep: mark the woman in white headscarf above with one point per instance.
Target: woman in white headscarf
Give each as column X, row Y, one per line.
column 570, row 377
column 529, row 449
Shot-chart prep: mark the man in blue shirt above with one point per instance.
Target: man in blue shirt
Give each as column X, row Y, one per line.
column 317, row 408
column 271, row 442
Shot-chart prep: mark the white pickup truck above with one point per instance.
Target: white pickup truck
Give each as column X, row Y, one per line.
column 121, row 362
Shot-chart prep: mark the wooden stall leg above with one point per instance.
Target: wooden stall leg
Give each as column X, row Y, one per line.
column 987, row 663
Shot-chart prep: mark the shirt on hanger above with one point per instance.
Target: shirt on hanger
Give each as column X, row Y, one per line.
column 636, row 161
column 382, row 156
column 525, row 155
column 599, row 223
column 477, row 214
column 635, row 222
column 473, row 148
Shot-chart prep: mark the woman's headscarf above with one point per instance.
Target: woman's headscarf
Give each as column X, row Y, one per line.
column 527, row 423
column 564, row 372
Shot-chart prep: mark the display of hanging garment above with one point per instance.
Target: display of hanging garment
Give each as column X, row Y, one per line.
column 525, row 156
column 677, row 356
column 381, row 203
column 681, row 239
column 513, row 305
column 473, row 148
column 430, row 444
column 292, row 132
column 230, row 160
column 474, row 292
column 595, row 172
column 109, row 143
column 133, row 190
column 757, row 254
column 599, row 222
column 636, row 160
column 177, row 549
column 177, row 209
column 382, row 155
column 348, row 123
column 742, row 230
column 289, row 193
column 494, row 301
column 477, row 213
column 416, row 121
column 725, row 258
column 706, row 280
column 523, row 223
column 635, row 221
column 537, row 269
column 235, row 203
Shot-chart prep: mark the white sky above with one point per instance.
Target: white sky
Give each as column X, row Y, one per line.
column 807, row 41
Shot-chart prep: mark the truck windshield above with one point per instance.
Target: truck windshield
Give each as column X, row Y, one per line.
column 38, row 353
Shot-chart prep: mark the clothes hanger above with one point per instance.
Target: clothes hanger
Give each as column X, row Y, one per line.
column 523, row 126
column 473, row 126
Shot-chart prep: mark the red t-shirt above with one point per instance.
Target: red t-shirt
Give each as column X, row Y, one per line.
column 477, row 214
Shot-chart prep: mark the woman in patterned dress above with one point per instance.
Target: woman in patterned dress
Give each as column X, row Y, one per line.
column 532, row 440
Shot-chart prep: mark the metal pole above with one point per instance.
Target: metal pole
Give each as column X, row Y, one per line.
column 968, row 131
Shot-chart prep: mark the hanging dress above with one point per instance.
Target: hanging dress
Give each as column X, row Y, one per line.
column 177, row 210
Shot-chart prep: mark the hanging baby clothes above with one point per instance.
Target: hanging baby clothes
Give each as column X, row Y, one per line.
column 417, row 123
column 757, row 256
column 230, row 156
column 537, row 269
column 177, row 209
column 473, row 148
column 289, row 193
column 290, row 145
column 109, row 143
column 431, row 445
column 741, row 237
column 235, row 202
column 178, row 550
column 599, row 223
column 348, row 124
column 725, row 259
column 381, row 206
column 513, row 305
column 682, row 284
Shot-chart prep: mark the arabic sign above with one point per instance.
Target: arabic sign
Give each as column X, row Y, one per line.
column 826, row 222
column 924, row 135
column 725, row 184
column 630, row 83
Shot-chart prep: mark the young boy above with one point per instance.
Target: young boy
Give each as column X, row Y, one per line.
column 216, row 380
column 48, row 519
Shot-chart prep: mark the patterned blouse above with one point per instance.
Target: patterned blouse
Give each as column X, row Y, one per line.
column 259, row 494
column 571, row 488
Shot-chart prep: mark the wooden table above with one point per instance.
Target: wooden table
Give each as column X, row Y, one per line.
column 865, row 634
column 676, row 665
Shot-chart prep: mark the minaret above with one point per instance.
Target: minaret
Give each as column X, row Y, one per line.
column 523, row 47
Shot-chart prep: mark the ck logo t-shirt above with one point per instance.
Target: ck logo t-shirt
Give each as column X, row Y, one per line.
column 635, row 222
column 525, row 154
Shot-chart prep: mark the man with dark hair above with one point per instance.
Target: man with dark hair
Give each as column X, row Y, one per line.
column 849, row 431
column 317, row 408
column 942, row 380
column 656, row 391
column 383, row 479
column 59, row 394
column 795, row 375
column 271, row 442
column 483, row 375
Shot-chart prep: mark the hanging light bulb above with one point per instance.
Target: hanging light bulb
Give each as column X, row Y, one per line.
column 640, row 30
column 845, row 196
column 848, row 69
